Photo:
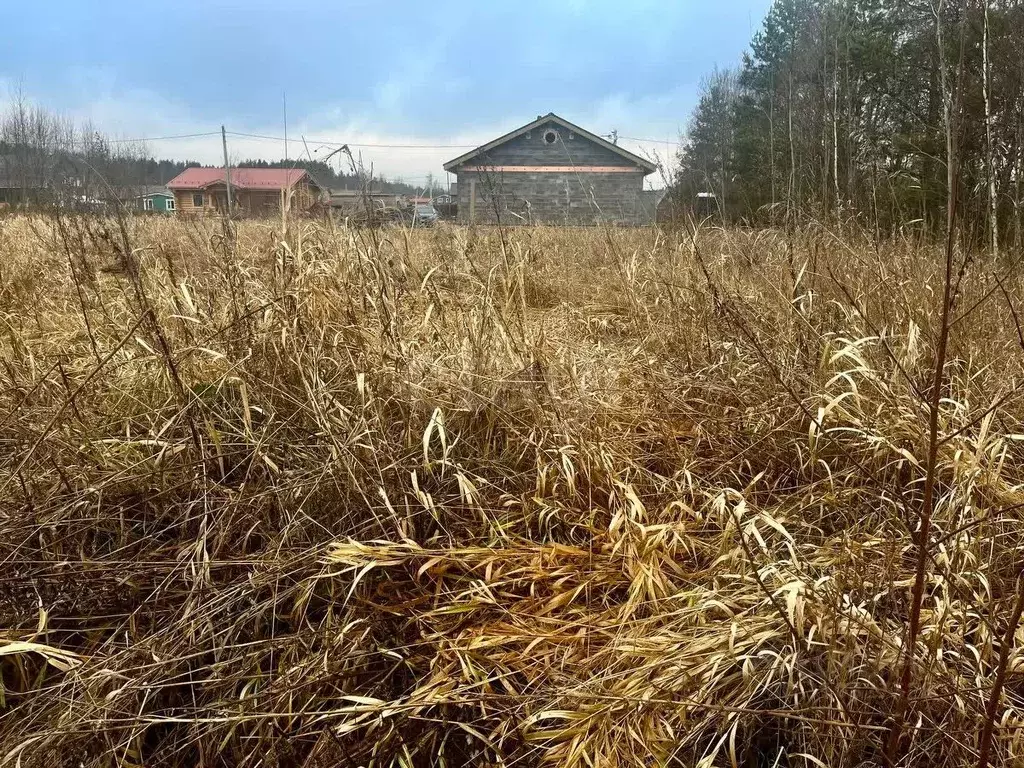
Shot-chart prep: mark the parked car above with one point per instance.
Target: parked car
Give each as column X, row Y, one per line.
column 424, row 215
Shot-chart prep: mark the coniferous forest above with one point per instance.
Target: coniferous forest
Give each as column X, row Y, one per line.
column 848, row 109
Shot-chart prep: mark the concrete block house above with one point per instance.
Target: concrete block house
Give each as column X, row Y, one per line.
column 551, row 171
column 254, row 191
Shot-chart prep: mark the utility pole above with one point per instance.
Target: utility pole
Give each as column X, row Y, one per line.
column 227, row 168
column 284, row 98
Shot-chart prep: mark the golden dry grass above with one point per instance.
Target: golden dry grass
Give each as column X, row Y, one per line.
column 326, row 497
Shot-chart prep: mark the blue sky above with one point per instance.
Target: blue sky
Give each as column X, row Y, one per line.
column 386, row 71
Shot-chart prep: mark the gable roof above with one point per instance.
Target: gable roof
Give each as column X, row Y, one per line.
column 134, row 191
column 551, row 117
column 267, row 179
column 153, row 191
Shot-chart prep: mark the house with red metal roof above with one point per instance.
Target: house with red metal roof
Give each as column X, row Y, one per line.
column 254, row 191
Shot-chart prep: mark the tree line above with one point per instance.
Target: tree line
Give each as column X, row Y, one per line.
column 328, row 175
column 840, row 111
column 47, row 158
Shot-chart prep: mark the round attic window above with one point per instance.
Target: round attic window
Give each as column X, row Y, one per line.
column 550, row 137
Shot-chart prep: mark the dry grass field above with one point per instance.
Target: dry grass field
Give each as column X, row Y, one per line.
column 306, row 496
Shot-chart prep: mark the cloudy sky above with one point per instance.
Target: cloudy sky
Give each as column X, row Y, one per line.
column 441, row 73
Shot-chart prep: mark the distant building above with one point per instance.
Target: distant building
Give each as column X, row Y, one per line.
column 157, row 199
column 16, row 191
column 554, row 172
column 349, row 201
column 706, row 204
column 253, row 190
column 35, row 181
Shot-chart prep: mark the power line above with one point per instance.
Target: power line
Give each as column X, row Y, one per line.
column 649, row 141
column 165, row 138
column 329, row 143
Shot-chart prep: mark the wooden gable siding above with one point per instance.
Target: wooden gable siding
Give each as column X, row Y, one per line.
column 530, row 149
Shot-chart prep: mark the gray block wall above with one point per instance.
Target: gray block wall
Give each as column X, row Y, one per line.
column 553, row 198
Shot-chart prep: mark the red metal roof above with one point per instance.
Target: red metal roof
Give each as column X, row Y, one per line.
column 242, row 178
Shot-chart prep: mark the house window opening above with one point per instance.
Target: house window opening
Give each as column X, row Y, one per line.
column 197, row 200
column 550, row 137
column 147, row 204
column 169, row 205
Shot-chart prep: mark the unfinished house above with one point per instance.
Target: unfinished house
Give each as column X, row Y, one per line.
column 551, row 171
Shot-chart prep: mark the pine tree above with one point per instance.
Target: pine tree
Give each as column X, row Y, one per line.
column 837, row 112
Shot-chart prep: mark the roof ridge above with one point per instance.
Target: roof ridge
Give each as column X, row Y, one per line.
column 243, row 178
column 644, row 164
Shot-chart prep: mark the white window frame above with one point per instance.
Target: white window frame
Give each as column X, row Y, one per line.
column 170, row 204
column 147, row 203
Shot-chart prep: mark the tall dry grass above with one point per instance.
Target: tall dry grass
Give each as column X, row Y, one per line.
column 326, row 497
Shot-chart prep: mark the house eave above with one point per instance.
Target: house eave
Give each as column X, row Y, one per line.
column 646, row 166
column 304, row 175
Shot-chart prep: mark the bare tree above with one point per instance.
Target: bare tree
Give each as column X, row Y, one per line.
column 45, row 159
column 990, row 167
column 1018, row 201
